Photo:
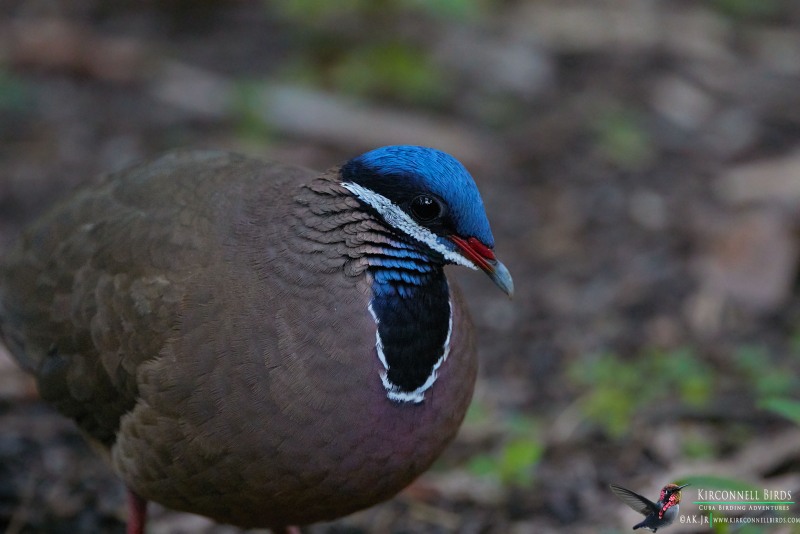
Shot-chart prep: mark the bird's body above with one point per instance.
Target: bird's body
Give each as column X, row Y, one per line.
column 248, row 341
column 657, row 514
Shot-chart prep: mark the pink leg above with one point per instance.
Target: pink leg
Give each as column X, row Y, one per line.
column 137, row 513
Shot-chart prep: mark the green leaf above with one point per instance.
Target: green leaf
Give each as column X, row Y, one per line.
column 517, row 461
column 389, row 69
column 446, row 9
column 788, row 408
column 748, row 9
column 482, row 465
column 621, row 138
column 15, row 94
column 244, row 108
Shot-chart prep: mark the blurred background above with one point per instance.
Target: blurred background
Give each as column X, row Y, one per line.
column 640, row 164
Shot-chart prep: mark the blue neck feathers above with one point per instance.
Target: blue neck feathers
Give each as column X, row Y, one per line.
column 400, row 272
column 411, row 306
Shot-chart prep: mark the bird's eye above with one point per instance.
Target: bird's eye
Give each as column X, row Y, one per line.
column 425, row 208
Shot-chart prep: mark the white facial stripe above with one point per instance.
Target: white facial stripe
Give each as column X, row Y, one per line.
column 418, row 395
column 401, row 220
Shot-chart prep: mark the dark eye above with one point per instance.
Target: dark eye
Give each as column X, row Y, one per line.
column 425, row 208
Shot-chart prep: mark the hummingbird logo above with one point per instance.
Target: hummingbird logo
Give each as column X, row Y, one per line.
column 657, row 514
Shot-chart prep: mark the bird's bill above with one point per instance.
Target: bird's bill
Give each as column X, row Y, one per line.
column 681, row 487
column 483, row 257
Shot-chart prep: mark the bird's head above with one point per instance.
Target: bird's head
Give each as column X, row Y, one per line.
column 430, row 197
column 672, row 493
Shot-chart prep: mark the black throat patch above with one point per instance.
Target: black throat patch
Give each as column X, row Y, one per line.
column 413, row 316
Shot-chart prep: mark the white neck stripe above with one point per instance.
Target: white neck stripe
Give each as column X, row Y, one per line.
column 399, row 219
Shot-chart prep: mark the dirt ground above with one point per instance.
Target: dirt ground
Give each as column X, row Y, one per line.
column 640, row 165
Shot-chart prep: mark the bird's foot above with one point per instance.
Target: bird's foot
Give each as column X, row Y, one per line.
column 137, row 513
